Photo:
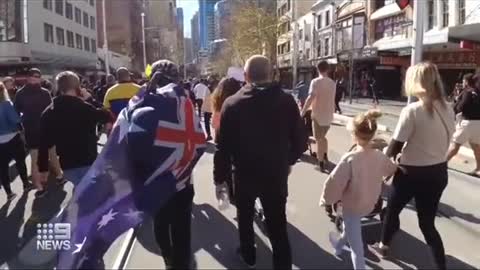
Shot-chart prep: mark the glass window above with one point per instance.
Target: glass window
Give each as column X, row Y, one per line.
column 445, row 12
column 319, row 21
column 85, row 19
column 431, row 14
column 461, row 12
column 59, row 7
column 93, row 24
column 70, row 42
column 60, row 36
column 86, row 44
column 92, row 3
column 48, row 4
column 11, row 23
column 68, row 10
column 327, row 18
column 94, row 46
column 326, row 51
column 78, row 15
column 79, row 41
column 48, row 32
column 300, row 34
column 319, row 50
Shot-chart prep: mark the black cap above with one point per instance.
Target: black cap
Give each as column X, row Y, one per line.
column 167, row 68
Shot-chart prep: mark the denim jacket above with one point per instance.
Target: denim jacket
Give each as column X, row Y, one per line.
column 9, row 118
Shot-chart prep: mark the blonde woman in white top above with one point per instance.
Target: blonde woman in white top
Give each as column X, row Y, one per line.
column 422, row 136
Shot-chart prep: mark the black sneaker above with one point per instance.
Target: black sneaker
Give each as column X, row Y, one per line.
column 249, row 264
column 27, row 186
column 321, row 165
column 11, row 196
column 40, row 193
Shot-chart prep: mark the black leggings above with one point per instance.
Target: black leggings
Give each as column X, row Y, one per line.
column 14, row 149
column 207, row 116
column 425, row 185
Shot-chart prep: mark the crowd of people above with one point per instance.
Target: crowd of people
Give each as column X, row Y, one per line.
column 259, row 133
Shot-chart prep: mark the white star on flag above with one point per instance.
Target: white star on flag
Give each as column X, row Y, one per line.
column 133, row 215
column 79, row 246
column 106, row 219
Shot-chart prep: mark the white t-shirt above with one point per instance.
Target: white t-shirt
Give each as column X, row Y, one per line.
column 200, row 91
column 322, row 90
column 426, row 137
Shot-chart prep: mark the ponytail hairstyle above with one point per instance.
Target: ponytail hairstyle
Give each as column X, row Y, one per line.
column 423, row 81
column 364, row 125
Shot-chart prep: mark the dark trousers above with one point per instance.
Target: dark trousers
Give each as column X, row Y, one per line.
column 199, row 106
column 425, row 185
column 207, row 116
column 14, row 149
column 337, row 104
column 276, row 223
column 172, row 229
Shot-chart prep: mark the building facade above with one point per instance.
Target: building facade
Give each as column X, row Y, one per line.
column 323, row 48
column 207, row 22
column 51, row 35
column 124, row 33
column 195, row 26
column 449, row 25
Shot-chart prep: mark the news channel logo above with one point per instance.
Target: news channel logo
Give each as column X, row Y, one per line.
column 53, row 236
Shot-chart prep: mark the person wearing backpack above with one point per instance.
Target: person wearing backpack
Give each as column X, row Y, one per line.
column 468, row 129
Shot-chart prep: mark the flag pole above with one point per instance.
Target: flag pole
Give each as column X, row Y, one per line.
column 417, row 40
column 105, row 39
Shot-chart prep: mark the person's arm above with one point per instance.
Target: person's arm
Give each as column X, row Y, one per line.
column 12, row 115
column 47, row 134
column 403, row 131
column 223, row 159
column 465, row 98
column 309, row 100
column 18, row 103
column 336, row 183
column 298, row 134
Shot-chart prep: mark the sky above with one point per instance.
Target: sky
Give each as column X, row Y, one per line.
column 189, row 9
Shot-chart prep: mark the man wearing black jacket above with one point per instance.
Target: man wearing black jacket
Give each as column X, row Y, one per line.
column 261, row 136
column 69, row 123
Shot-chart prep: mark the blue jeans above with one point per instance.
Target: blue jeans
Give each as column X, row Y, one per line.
column 352, row 233
column 75, row 175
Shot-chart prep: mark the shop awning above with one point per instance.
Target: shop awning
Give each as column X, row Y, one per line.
column 470, row 32
column 386, row 11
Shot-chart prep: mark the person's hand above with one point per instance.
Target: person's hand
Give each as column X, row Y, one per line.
column 84, row 94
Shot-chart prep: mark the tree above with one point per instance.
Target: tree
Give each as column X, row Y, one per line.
column 254, row 31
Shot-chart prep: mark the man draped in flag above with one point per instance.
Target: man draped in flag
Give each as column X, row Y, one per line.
column 145, row 168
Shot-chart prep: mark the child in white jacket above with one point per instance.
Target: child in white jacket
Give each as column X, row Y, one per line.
column 357, row 182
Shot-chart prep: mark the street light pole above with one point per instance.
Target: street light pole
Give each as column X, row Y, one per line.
column 144, row 42
column 417, row 41
column 105, row 39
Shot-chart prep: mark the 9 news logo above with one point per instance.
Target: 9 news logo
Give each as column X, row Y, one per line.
column 53, row 236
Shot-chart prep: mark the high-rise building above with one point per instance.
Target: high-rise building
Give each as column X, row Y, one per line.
column 124, row 32
column 207, row 22
column 195, row 34
column 187, row 43
column 51, row 35
column 180, row 36
column 224, row 10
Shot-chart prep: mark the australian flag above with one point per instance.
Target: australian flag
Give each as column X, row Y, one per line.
column 149, row 156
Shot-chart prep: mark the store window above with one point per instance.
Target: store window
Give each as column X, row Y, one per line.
column 60, row 36
column 461, row 12
column 48, row 32
column 70, row 41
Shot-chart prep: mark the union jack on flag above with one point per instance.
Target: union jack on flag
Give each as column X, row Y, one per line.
column 150, row 155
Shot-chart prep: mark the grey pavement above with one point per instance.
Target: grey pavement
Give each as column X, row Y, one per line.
column 215, row 233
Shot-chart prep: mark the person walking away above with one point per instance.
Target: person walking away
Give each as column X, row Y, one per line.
column 207, row 113
column 372, row 83
column 11, row 144
column 30, row 102
column 341, row 88
column 9, row 84
column 468, row 129
column 322, row 99
column 200, row 90
column 357, row 183
column 262, row 135
column 117, row 97
column 302, row 92
column 422, row 137
column 172, row 222
column 70, row 124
